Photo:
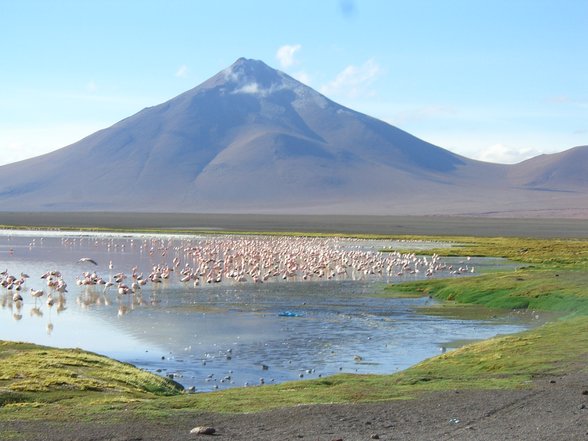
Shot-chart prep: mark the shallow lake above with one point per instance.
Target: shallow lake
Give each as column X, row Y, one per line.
column 250, row 310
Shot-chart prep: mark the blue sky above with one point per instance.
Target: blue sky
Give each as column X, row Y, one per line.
column 497, row 80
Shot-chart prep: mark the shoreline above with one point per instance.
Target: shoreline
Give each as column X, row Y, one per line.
column 552, row 406
column 326, row 224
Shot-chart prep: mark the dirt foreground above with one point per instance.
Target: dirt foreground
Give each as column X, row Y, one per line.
column 554, row 408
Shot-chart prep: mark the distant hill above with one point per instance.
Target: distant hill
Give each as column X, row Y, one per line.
column 564, row 171
column 253, row 139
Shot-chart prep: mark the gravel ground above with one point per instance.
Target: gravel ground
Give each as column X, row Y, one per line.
column 555, row 408
column 344, row 224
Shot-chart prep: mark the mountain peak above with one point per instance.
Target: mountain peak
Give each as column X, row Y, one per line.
column 249, row 63
column 253, row 139
column 251, row 76
column 255, row 78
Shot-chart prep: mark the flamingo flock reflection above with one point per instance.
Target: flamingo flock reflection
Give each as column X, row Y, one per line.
column 195, row 263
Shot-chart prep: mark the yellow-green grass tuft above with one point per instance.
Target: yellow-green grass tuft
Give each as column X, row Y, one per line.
column 28, row 370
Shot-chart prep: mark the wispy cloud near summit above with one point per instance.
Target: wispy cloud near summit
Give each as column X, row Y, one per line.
column 353, row 81
column 285, row 54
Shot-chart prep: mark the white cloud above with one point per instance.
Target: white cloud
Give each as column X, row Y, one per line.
column 353, row 81
column 503, row 154
column 231, row 75
column 182, row 71
column 256, row 89
column 303, row 77
column 285, row 54
column 250, row 88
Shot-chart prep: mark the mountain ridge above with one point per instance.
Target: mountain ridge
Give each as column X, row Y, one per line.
column 254, row 139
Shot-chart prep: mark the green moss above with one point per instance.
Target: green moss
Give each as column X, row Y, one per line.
column 30, row 371
column 553, row 253
column 547, row 290
column 11, row 435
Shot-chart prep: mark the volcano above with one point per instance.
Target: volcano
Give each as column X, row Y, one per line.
column 252, row 139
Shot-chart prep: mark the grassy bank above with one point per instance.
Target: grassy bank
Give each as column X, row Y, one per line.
column 554, row 276
column 74, row 387
column 44, row 383
column 545, row 290
column 543, row 253
column 40, row 376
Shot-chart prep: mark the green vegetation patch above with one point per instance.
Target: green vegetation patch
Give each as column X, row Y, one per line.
column 11, row 435
column 547, row 290
column 512, row 360
column 36, row 374
column 555, row 253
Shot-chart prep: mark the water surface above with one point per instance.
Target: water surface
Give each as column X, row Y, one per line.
column 227, row 334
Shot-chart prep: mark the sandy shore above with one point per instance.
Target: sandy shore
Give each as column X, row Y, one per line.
column 392, row 225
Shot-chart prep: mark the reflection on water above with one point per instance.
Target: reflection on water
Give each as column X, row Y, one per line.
column 213, row 312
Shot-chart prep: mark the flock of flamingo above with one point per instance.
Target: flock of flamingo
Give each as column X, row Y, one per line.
column 130, row 272
column 213, row 260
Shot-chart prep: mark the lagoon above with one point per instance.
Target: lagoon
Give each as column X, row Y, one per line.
column 227, row 334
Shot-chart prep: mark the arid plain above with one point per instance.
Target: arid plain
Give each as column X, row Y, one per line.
column 342, row 224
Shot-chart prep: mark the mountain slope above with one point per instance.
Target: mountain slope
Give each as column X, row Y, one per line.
column 564, row 171
column 253, row 139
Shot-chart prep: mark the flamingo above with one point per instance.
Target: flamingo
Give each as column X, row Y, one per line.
column 37, row 293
